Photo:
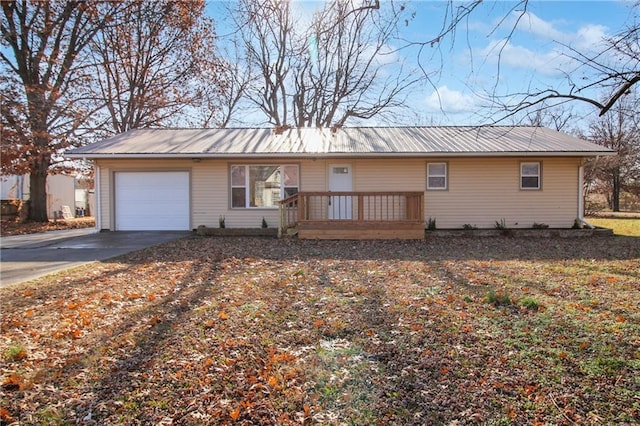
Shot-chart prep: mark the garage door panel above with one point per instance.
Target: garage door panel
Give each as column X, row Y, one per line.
column 149, row 201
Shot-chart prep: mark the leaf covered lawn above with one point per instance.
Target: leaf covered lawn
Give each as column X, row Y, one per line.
column 13, row 227
column 262, row 331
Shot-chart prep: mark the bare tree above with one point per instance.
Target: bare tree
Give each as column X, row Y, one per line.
column 557, row 117
column 266, row 29
column 148, row 64
column 614, row 69
column 327, row 72
column 342, row 74
column 221, row 104
column 42, row 45
column 620, row 131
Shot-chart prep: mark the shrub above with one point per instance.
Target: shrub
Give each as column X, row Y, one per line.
column 502, row 224
column 498, row 299
column 609, row 366
column 431, row 224
column 540, row 225
column 221, row 221
column 264, row 223
column 15, row 353
column 529, row 303
column 469, row 227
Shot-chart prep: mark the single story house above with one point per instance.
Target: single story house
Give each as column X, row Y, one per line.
column 377, row 182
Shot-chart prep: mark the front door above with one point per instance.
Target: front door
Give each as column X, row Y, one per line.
column 340, row 180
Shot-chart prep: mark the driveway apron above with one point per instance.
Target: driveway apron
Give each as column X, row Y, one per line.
column 26, row 257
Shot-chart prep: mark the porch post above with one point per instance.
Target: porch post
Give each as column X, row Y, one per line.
column 301, row 207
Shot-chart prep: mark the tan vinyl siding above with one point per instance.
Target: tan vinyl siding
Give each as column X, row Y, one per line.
column 313, row 175
column 209, row 198
column 480, row 190
column 105, row 202
column 209, row 188
column 484, row 191
column 389, row 175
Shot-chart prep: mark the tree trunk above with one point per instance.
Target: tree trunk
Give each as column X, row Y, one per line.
column 38, row 188
column 615, row 196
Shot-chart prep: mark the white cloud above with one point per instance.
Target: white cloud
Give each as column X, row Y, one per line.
column 535, row 25
column 586, row 37
column 386, row 55
column 551, row 63
column 449, row 101
column 590, row 37
column 539, row 49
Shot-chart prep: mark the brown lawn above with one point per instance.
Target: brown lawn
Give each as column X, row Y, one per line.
column 12, row 227
column 263, row 331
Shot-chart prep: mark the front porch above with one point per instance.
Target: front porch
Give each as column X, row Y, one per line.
column 354, row 215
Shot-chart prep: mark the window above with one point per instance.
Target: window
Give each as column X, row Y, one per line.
column 262, row 186
column 436, row 175
column 530, row 175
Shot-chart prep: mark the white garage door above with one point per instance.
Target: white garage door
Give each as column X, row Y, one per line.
column 151, row 201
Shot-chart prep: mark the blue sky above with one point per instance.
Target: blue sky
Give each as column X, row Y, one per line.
column 534, row 57
column 463, row 74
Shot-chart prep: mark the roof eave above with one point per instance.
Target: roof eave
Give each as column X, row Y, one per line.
column 98, row 156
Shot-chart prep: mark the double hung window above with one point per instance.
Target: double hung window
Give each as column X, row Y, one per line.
column 530, row 175
column 437, row 176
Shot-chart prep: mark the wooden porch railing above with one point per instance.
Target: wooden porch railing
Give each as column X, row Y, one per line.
column 353, row 210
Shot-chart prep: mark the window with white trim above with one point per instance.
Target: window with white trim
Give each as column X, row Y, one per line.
column 262, row 185
column 437, row 176
column 530, row 175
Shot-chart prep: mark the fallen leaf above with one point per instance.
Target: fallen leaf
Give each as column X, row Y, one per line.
column 272, row 382
column 235, row 414
column 5, row 416
column 13, row 382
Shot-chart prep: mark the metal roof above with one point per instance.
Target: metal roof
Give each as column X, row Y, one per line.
column 351, row 141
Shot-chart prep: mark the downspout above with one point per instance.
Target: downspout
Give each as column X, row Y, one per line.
column 581, row 198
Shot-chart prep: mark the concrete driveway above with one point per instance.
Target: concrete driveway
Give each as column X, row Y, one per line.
column 26, row 257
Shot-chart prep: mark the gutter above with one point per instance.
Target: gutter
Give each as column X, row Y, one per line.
column 318, row 155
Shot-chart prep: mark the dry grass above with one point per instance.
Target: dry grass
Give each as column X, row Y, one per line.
column 263, row 331
column 621, row 226
column 12, row 227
